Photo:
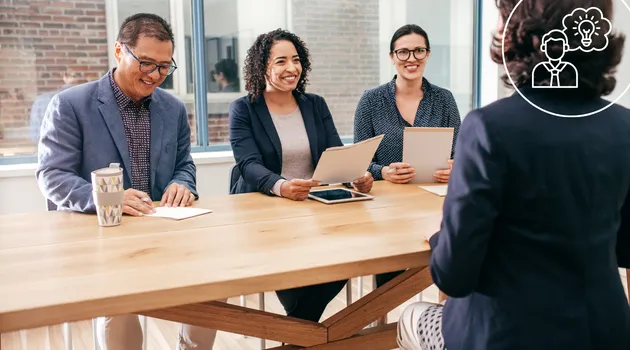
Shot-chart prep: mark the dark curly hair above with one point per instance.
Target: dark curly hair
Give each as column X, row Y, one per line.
column 257, row 61
column 523, row 40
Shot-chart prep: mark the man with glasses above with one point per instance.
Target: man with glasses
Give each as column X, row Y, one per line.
column 123, row 118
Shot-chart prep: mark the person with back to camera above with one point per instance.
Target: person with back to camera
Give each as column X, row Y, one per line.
column 278, row 132
column 407, row 100
column 536, row 221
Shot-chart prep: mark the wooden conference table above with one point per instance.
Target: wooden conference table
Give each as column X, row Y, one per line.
column 60, row 267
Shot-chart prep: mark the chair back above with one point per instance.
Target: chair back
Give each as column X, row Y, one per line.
column 235, row 174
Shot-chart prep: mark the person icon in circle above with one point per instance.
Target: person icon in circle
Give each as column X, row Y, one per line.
column 547, row 74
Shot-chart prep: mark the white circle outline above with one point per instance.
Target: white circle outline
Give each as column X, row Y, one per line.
column 530, row 102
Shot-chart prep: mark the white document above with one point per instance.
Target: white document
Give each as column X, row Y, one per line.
column 440, row 190
column 346, row 163
column 427, row 150
column 178, row 213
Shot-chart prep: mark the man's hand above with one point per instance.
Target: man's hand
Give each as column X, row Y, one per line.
column 177, row 195
column 364, row 183
column 297, row 189
column 137, row 203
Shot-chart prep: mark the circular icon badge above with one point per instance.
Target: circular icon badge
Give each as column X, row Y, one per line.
column 586, row 24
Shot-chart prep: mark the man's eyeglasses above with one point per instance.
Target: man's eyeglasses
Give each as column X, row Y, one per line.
column 149, row 67
column 419, row 53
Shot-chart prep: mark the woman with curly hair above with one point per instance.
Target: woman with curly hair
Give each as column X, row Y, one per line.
column 536, row 221
column 278, row 133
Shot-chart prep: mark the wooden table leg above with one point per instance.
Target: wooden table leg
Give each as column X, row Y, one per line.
column 381, row 337
column 344, row 330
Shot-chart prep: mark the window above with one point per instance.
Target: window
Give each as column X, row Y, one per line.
column 158, row 7
column 348, row 41
column 45, row 47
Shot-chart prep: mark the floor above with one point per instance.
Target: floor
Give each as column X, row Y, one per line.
column 162, row 335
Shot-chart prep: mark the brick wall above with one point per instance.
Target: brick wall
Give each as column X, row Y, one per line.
column 342, row 37
column 39, row 40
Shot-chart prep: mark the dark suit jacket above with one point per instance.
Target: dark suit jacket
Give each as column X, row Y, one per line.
column 533, row 230
column 83, row 131
column 256, row 145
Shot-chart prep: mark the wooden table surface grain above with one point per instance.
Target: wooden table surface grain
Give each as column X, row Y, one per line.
column 60, row 266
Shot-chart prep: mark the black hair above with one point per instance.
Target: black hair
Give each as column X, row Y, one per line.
column 146, row 24
column 229, row 68
column 257, row 61
column 406, row 30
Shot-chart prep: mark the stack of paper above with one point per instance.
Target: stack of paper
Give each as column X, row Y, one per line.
column 440, row 190
column 178, row 213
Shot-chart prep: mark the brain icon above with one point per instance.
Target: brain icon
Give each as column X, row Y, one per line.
column 589, row 27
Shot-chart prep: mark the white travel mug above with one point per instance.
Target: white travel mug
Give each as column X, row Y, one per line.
column 108, row 193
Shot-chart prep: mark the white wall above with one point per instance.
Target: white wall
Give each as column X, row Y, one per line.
column 621, row 22
column 256, row 17
column 449, row 25
column 490, row 71
column 220, row 17
column 19, row 192
column 392, row 15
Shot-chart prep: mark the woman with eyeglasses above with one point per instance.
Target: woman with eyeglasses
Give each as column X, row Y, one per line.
column 408, row 100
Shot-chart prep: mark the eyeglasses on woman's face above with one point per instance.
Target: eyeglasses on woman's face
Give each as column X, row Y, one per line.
column 419, row 53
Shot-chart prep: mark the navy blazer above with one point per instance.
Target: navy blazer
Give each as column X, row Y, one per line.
column 536, row 223
column 83, row 131
column 256, row 145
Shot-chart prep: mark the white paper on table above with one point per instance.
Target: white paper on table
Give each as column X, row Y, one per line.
column 346, row 163
column 427, row 150
column 440, row 190
column 178, row 213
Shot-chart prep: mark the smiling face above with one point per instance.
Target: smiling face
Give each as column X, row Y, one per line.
column 412, row 68
column 283, row 67
column 134, row 83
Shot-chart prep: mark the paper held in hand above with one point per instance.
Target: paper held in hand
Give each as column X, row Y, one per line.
column 427, row 150
column 346, row 163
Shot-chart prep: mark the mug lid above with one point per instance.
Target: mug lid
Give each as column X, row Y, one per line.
column 113, row 169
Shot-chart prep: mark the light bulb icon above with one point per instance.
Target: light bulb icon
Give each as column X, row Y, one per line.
column 586, row 28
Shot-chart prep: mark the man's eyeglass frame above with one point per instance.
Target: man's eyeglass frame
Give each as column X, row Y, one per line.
column 150, row 67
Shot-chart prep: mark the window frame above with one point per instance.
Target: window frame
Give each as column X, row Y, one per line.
column 178, row 21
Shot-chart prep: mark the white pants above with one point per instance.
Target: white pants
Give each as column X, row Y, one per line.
column 125, row 333
column 409, row 326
